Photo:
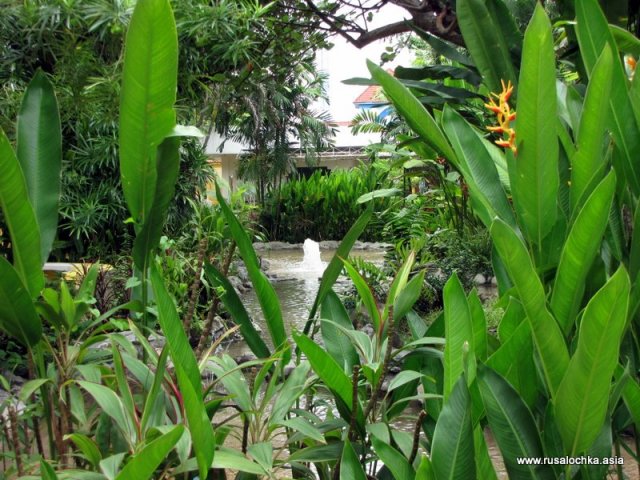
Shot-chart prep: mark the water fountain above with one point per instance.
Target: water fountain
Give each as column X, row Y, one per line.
column 311, row 261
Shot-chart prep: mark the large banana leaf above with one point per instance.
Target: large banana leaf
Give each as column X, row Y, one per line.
column 20, row 219
column 512, row 425
column 187, row 372
column 18, row 316
column 588, row 163
column 452, row 451
column 410, row 108
column 579, row 251
column 593, row 34
column 39, row 150
column 149, row 83
column 583, row 396
column 458, row 333
column 239, row 314
column 146, row 461
column 264, row 290
column 547, row 335
column 148, row 238
column 478, row 168
column 534, row 171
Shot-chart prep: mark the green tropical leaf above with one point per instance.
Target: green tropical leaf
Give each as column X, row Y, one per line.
column 154, row 401
column 39, row 150
column 20, row 219
column 264, row 290
column 485, row 39
column 547, row 335
column 149, row 85
column 146, row 461
column 18, row 316
column 332, row 272
column 593, row 34
column 350, row 467
column 112, row 406
column 326, row 368
column 148, row 238
column 290, row 392
column 410, row 108
column 408, row 296
column 579, row 252
column 458, row 333
column 587, row 165
column 187, row 372
column 239, row 314
column 514, row 360
column 478, row 167
column 534, row 172
column 512, row 426
column 365, row 294
column 46, row 471
column 338, row 345
column 452, row 451
column 395, row 461
column 583, row 396
column 88, row 447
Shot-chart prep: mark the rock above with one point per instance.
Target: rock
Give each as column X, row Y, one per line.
column 494, row 281
column 368, row 329
column 237, row 284
column 242, row 274
column 157, row 341
column 247, row 357
column 479, row 279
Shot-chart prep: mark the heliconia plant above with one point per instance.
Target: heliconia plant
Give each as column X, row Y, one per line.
column 558, row 190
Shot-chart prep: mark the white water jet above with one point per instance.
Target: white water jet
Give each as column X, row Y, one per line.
column 312, row 261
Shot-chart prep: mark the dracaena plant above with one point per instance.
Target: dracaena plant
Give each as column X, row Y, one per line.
column 557, row 184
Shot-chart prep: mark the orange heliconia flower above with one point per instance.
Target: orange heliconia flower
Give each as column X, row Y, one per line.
column 499, row 104
column 630, row 65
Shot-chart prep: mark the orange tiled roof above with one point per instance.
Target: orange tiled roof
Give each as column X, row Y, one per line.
column 373, row 93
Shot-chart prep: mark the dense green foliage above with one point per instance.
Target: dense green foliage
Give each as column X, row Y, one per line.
column 321, row 206
column 559, row 378
column 228, row 53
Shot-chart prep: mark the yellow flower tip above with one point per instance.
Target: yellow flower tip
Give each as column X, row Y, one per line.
column 494, row 108
column 497, row 129
column 503, row 143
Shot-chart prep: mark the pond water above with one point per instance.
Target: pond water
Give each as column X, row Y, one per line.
column 296, row 279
